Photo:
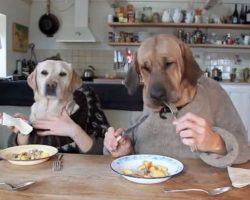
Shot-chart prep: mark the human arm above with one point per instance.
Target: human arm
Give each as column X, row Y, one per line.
column 63, row 125
column 214, row 105
column 86, row 127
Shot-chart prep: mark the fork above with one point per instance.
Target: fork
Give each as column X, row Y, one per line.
column 174, row 112
column 57, row 164
column 128, row 130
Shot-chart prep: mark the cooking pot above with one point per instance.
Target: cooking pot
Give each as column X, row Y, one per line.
column 48, row 23
column 88, row 74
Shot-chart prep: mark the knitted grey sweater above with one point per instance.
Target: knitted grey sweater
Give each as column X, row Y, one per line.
column 158, row 136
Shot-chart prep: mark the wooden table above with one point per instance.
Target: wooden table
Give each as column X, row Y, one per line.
column 90, row 177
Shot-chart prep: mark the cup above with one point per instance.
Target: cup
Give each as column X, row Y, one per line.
column 110, row 18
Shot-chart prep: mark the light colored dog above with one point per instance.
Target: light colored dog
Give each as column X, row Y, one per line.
column 167, row 69
column 53, row 83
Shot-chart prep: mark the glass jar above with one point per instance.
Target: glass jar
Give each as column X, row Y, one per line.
column 147, row 14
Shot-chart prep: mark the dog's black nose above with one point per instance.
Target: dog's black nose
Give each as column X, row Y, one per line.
column 157, row 92
column 51, row 89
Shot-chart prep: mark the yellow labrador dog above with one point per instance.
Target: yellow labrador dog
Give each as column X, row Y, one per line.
column 53, row 83
column 167, row 69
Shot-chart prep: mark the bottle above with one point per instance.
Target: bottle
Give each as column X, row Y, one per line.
column 207, row 73
column 215, row 73
column 242, row 19
column 235, row 16
column 245, row 14
column 248, row 16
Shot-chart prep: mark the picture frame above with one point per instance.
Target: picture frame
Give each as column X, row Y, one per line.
column 20, row 37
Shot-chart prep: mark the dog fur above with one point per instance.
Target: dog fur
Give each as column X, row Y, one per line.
column 167, row 69
column 53, row 83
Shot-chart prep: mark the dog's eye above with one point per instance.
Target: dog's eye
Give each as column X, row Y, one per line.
column 44, row 72
column 62, row 74
column 146, row 68
column 167, row 64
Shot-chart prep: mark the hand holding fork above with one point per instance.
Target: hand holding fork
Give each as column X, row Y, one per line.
column 174, row 112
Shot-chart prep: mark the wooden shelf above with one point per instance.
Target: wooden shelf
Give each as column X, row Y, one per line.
column 184, row 25
column 191, row 45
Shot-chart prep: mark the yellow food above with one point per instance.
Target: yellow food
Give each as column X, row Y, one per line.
column 33, row 154
column 148, row 170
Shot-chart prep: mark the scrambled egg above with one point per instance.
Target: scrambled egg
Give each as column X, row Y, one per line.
column 148, row 170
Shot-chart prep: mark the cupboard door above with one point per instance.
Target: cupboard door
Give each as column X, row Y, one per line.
column 240, row 96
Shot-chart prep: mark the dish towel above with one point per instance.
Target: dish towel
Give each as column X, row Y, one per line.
column 239, row 177
column 20, row 124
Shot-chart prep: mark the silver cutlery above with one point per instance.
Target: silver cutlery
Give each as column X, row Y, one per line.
column 174, row 112
column 20, row 186
column 57, row 164
column 212, row 192
column 128, row 130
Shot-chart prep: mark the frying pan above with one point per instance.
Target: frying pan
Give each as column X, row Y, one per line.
column 48, row 22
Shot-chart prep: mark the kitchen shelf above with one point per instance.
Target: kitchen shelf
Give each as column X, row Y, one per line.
column 191, row 45
column 184, row 25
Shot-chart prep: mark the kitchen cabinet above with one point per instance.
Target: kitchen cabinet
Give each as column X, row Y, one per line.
column 240, row 96
column 117, row 25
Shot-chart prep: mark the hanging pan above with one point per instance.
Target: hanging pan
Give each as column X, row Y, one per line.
column 48, row 23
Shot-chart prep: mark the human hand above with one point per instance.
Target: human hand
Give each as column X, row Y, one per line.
column 195, row 131
column 117, row 147
column 14, row 129
column 61, row 125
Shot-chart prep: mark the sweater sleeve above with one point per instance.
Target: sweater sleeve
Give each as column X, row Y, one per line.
column 230, row 127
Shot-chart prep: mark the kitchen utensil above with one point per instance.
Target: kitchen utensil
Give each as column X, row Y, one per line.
column 128, row 130
column 88, row 74
column 57, row 164
column 212, row 192
column 20, row 186
column 49, row 23
column 174, row 112
column 172, row 109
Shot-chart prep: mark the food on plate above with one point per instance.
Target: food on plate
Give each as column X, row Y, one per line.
column 33, row 154
column 148, row 170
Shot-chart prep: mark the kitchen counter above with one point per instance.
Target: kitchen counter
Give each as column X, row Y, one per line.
column 112, row 93
column 112, row 96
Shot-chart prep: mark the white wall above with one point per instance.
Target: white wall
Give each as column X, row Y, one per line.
column 3, row 56
column 19, row 12
column 64, row 11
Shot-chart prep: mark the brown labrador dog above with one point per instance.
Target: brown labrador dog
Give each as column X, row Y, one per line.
column 53, row 83
column 167, row 69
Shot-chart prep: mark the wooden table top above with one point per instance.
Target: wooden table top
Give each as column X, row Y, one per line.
column 90, row 177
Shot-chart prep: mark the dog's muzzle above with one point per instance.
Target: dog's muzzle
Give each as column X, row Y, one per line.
column 157, row 93
column 50, row 89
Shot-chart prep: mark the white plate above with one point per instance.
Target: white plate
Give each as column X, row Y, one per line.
column 134, row 161
column 7, row 153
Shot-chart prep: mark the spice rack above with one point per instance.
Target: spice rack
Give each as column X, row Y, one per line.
column 183, row 25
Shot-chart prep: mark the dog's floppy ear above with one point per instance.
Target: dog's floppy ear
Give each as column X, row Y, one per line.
column 31, row 80
column 192, row 70
column 76, row 81
column 132, row 79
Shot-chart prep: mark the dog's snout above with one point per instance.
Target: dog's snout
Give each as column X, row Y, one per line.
column 51, row 88
column 157, row 92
